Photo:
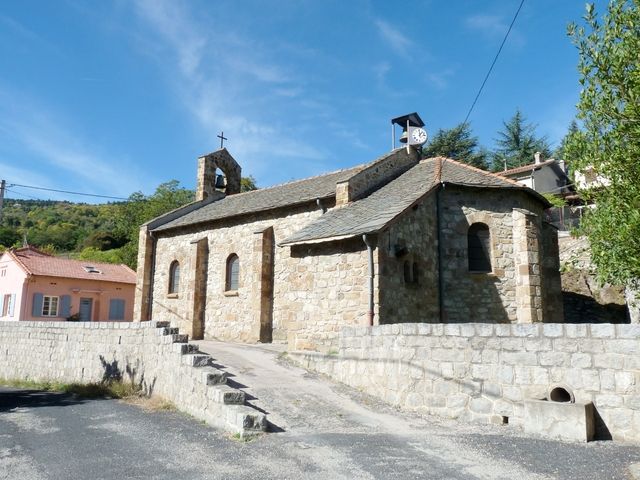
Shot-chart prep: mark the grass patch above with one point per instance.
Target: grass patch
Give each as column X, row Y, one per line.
column 151, row 404
column 85, row 390
column 240, row 438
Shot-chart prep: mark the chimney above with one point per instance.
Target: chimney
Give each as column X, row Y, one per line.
column 537, row 156
column 207, row 168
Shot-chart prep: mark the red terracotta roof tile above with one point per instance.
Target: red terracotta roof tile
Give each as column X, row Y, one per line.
column 526, row 168
column 35, row 262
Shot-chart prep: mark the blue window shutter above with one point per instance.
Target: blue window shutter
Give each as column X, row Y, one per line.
column 116, row 309
column 37, row 305
column 65, row 306
column 12, row 304
column 1, row 303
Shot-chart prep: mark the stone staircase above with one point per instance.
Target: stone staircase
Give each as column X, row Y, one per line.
column 226, row 406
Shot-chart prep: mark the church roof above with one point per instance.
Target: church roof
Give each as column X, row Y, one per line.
column 285, row 195
column 376, row 211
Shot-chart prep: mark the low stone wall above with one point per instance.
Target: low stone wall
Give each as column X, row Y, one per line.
column 484, row 372
column 149, row 354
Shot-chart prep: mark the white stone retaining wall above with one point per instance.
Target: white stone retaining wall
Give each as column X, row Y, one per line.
column 484, row 372
column 159, row 361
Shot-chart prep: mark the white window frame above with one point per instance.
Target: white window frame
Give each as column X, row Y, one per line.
column 48, row 302
column 6, row 304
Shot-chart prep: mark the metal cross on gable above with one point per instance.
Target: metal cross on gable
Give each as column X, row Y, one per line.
column 222, row 139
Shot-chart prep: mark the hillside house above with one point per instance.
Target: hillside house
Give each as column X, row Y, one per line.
column 543, row 176
column 38, row 286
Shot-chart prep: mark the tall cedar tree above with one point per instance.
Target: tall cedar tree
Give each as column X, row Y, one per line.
column 459, row 144
column 517, row 144
column 560, row 153
column 609, row 142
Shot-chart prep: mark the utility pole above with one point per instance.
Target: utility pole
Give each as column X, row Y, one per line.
column 2, row 185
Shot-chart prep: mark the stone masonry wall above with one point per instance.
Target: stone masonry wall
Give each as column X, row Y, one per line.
column 146, row 354
column 316, row 290
column 410, row 242
column 484, row 372
column 496, row 296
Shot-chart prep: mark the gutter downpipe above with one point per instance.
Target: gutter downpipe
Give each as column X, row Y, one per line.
column 439, row 236
column 152, row 275
column 367, row 242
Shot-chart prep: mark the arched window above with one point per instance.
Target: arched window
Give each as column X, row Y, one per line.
column 174, row 277
column 407, row 271
column 416, row 273
column 233, row 273
column 479, row 244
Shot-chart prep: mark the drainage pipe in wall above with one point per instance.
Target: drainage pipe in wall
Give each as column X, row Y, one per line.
column 367, row 241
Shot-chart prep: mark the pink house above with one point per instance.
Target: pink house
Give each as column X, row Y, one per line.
column 38, row 286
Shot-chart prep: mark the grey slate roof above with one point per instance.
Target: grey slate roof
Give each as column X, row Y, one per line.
column 288, row 194
column 374, row 212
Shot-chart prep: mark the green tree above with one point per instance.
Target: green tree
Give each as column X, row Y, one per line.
column 457, row 143
column 248, row 183
column 560, row 153
column 140, row 209
column 609, row 142
column 517, row 143
column 8, row 236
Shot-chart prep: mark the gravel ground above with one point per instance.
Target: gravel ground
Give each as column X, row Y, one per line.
column 322, row 430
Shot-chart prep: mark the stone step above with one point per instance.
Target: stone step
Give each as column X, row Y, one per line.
column 196, row 360
column 214, row 376
column 161, row 324
column 179, row 338
column 226, row 395
column 246, row 419
column 184, row 348
column 168, row 331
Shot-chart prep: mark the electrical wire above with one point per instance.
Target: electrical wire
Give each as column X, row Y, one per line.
column 494, row 62
column 65, row 191
column 21, row 194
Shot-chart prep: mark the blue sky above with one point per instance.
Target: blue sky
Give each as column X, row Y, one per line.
column 112, row 97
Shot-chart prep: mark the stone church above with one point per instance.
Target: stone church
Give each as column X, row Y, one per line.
column 400, row 239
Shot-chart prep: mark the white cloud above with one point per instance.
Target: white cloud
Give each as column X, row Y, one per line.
column 487, row 24
column 493, row 27
column 34, row 131
column 224, row 82
column 440, row 79
column 396, row 40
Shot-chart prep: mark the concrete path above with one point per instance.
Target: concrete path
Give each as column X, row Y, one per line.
column 326, row 432
column 356, row 436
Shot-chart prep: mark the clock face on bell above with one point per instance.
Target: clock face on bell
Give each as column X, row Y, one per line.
column 419, row 136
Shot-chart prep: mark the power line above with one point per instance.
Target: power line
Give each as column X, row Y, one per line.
column 22, row 194
column 67, row 191
column 494, row 62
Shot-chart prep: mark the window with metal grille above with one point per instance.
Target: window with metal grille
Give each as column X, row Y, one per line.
column 479, row 245
column 233, row 273
column 174, row 277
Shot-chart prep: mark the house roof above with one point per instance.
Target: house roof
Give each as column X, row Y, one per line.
column 526, row 168
column 35, row 262
column 284, row 195
column 379, row 209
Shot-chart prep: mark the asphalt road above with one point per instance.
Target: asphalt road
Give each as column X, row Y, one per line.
column 322, row 431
